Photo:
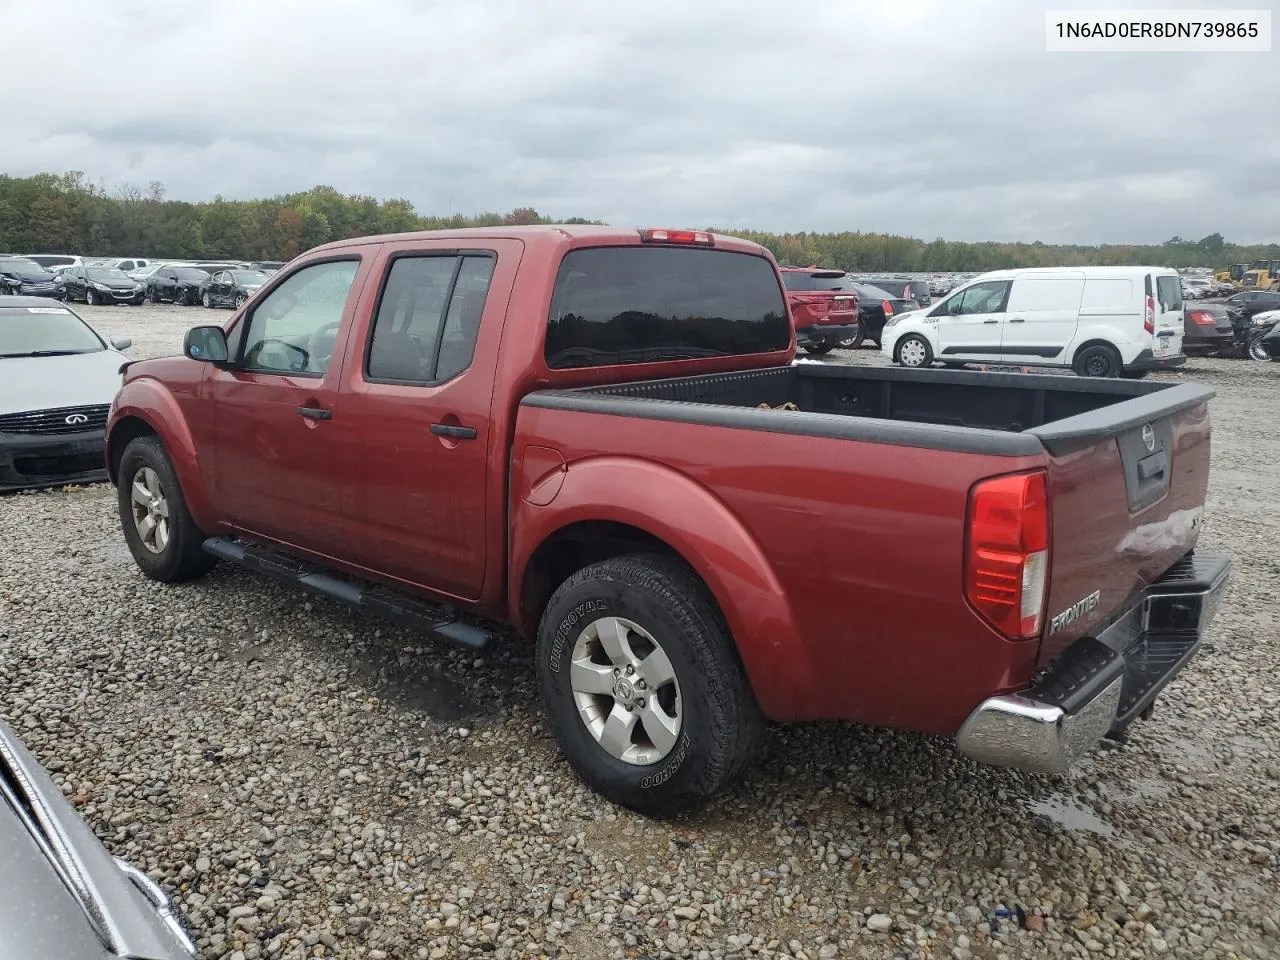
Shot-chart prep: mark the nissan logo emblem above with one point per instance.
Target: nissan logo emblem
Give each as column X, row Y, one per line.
column 1148, row 437
column 77, row 418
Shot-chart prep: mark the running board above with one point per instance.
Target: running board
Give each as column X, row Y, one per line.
column 397, row 607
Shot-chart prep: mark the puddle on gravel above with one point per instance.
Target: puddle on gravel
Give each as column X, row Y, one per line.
column 1071, row 815
column 1140, row 790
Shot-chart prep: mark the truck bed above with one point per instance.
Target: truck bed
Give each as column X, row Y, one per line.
column 1009, row 414
column 858, row 501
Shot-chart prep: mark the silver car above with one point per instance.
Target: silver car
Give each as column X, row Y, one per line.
column 62, row 895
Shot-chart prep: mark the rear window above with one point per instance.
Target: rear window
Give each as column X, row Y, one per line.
column 1169, row 292
column 817, row 280
column 615, row 305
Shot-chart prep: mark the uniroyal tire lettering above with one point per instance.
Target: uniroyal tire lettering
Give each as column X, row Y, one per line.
column 669, row 771
column 577, row 614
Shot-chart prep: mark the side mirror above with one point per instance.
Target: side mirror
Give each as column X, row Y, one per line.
column 953, row 309
column 206, row 344
column 122, row 343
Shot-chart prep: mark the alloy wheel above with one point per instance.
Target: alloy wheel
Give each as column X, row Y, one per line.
column 150, row 510
column 626, row 691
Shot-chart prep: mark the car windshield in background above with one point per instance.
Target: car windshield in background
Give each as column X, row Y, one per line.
column 190, row 274
column 645, row 304
column 24, row 268
column 44, row 331
column 250, row 278
column 104, row 273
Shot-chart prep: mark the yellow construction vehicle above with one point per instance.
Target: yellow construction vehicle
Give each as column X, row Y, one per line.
column 1234, row 275
column 1263, row 275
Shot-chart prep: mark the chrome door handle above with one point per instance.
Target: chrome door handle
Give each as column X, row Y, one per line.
column 1018, row 320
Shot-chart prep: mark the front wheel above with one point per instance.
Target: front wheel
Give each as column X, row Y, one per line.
column 91, row 297
column 643, row 685
column 913, row 350
column 1098, row 360
column 240, row 299
column 155, row 296
column 207, row 301
column 1257, row 350
column 818, row 349
column 162, row 536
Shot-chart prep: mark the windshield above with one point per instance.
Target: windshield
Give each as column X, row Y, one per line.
column 104, row 273
column 23, row 268
column 25, row 331
column 190, row 273
column 250, row 278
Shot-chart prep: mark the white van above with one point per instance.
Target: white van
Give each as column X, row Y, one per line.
column 1099, row 321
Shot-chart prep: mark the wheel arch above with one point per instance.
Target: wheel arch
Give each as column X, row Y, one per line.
column 667, row 513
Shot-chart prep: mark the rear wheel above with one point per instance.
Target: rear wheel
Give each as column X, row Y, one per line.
column 854, row 342
column 643, row 685
column 1097, row 360
column 819, row 349
column 913, row 350
column 162, row 536
column 1257, row 350
column 206, row 300
column 240, row 299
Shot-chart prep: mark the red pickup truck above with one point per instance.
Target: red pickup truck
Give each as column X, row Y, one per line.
column 599, row 436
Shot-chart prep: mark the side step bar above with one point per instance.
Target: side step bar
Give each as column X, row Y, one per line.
column 397, row 607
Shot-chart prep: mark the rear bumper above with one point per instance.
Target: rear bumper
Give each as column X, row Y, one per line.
column 30, row 462
column 1207, row 344
column 827, row 333
column 1099, row 685
column 1146, row 360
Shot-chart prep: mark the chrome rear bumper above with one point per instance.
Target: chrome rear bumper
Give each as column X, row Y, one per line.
column 1098, row 686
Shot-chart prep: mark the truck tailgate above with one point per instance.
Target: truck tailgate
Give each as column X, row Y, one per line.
column 1126, row 488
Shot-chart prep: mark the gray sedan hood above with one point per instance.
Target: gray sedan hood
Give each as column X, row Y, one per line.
column 45, row 383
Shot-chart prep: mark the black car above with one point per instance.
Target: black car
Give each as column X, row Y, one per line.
column 176, row 284
column 876, row 306
column 1250, row 302
column 96, row 285
column 231, row 288
column 904, row 288
column 24, row 277
column 1206, row 328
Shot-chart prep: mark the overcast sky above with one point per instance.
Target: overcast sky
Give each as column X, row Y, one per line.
column 902, row 116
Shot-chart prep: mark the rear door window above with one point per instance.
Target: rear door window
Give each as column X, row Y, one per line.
column 1169, row 293
column 617, row 305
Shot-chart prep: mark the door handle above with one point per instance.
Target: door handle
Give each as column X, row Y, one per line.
column 315, row 413
column 990, row 321
column 1017, row 320
column 455, row 431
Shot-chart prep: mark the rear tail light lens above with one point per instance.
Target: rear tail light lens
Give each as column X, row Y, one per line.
column 1149, row 316
column 699, row 237
column 1204, row 318
column 1007, row 562
column 888, row 309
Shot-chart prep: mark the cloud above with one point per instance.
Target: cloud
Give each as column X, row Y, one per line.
column 924, row 118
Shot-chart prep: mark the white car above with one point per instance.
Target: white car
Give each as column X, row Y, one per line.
column 1097, row 321
column 58, row 378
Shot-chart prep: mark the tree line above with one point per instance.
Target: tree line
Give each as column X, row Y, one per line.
column 67, row 213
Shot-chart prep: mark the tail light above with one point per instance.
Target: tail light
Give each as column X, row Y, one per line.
column 1149, row 316
column 888, row 309
column 1007, row 564
column 700, row 237
column 1204, row 318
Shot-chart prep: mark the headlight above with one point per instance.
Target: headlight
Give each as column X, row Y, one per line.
column 892, row 321
column 101, row 286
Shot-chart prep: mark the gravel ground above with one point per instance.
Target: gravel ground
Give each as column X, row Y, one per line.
column 313, row 784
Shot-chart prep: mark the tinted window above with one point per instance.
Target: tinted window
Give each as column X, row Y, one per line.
column 105, row 273
column 1169, row 293
column 640, row 304
column 826, row 280
column 295, row 327
column 188, row 273
column 428, row 318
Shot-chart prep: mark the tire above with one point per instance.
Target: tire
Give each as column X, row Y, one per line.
column 1097, row 360
column 918, row 353
column 1257, row 350
column 819, row 349
column 91, row 297
column 206, row 301
column 155, row 295
column 719, row 723
column 240, row 299
column 854, row 342
column 180, row 555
